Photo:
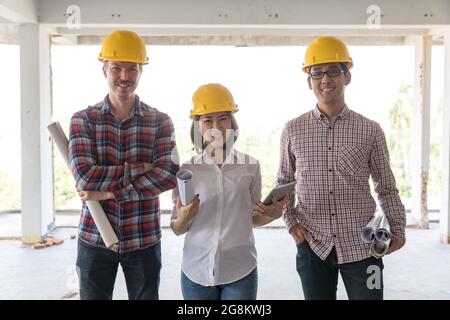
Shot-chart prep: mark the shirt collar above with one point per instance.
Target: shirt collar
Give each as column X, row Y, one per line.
column 204, row 158
column 341, row 115
column 231, row 157
column 136, row 110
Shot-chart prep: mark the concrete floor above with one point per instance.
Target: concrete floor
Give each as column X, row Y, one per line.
column 419, row 271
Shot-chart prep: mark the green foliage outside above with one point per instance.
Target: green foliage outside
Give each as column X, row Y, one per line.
column 399, row 139
column 64, row 181
column 264, row 146
column 9, row 194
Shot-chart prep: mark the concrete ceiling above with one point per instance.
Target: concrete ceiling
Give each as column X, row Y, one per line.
column 232, row 22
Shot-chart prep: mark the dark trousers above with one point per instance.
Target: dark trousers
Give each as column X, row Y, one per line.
column 363, row 279
column 97, row 269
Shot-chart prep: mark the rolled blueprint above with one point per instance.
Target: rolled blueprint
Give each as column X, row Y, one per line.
column 96, row 210
column 383, row 233
column 368, row 233
column 60, row 139
column 379, row 248
column 185, row 186
column 377, row 233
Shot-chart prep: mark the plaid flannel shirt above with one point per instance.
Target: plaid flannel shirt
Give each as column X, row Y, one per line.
column 331, row 161
column 107, row 155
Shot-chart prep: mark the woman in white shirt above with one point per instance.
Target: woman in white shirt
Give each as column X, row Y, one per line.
column 219, row 255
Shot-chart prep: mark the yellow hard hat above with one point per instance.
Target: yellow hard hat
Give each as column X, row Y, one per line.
column 212, row 97
column 122, row 45
column 326, row 50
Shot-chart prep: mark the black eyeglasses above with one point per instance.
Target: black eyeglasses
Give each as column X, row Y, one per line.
column 333, row 72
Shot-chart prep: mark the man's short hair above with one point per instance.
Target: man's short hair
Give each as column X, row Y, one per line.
column 344, row 67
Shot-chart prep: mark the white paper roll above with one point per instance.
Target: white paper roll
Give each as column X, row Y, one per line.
column 185, row 186
column 96, row 210
column 368, row 233
column 383, row 232
column 101, row 221
column 379, row 249
column 60, row 139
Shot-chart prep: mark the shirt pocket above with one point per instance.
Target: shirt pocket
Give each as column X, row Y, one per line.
column 351, row 159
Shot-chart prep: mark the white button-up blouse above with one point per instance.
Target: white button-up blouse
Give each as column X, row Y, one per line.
column 219, row 246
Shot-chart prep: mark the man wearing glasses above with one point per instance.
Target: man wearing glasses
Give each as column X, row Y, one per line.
column 331, row 151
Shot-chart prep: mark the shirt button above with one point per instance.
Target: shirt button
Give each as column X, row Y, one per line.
column 331, row 192
column 330, row 127
column 334, row 236
column 329, row 148
column 329, row 170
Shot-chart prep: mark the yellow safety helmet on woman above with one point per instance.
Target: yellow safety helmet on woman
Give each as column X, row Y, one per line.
column 123, row 45
column 212, row 97
column 326, row 50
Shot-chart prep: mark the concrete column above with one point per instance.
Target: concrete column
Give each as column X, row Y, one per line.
column 37, row 161
column 421, row 132
column 445, row 194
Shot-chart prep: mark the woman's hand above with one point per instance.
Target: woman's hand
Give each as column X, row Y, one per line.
column 187, row 213
column 265, row 214
column 274, row 210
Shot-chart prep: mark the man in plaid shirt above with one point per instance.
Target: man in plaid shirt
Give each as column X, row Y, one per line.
column 331, row 152
column 120, row 153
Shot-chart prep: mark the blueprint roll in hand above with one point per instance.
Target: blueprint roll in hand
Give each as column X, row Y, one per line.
column 100, row 219
column 185, row 183
column 368, row 233
column 377, row 233
column 383, row 233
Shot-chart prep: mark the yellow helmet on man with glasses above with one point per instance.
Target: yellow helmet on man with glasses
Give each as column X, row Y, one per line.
column 123, row 45
column 326, row 50
column 212, row 97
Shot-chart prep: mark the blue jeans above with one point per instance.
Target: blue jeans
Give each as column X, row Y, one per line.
column 97, row 269
column 363, row 279
column 243, row 289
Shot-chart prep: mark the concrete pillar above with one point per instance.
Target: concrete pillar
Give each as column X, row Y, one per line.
column 421, row 132
column 445, row 194
column 37, row 161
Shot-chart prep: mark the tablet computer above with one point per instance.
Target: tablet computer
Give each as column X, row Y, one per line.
column 279, row 192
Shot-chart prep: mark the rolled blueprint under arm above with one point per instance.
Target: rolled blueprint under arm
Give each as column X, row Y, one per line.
column 185, row 186
column 380, row 245
column 96, row 210
column 368, row 233
column 379, row 249
column 383, row 233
